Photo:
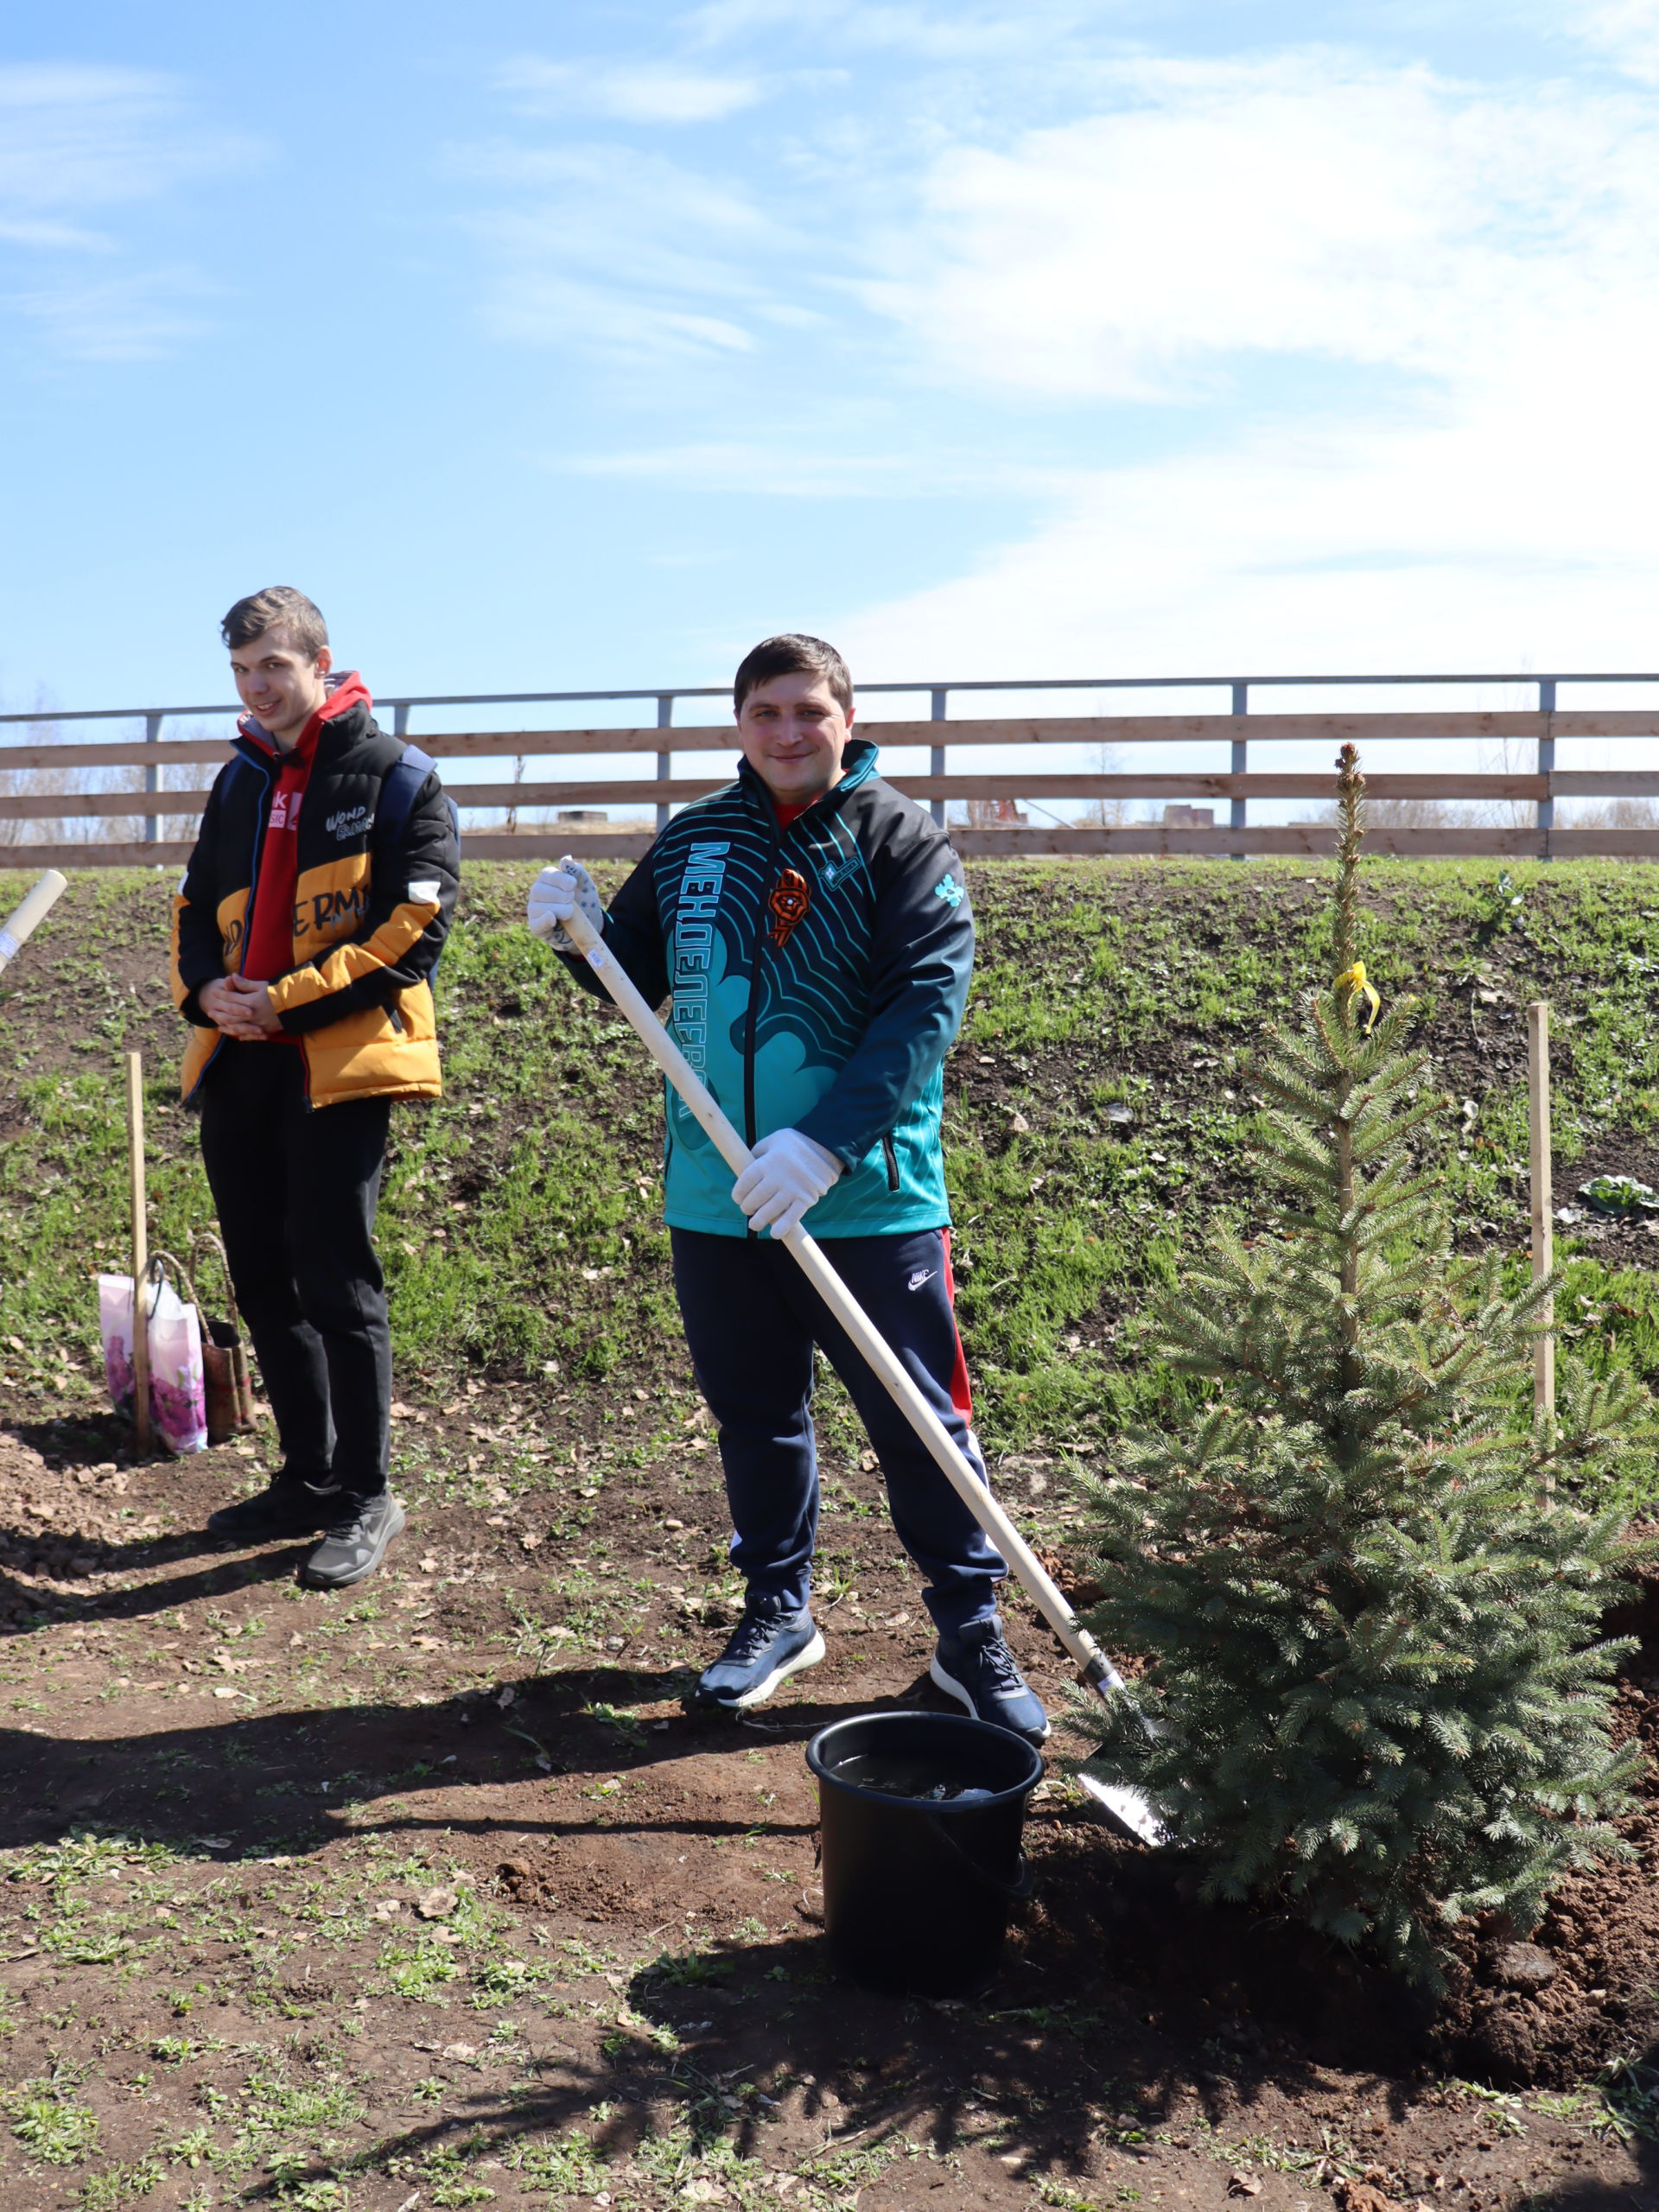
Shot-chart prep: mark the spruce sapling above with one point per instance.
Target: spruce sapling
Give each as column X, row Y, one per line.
column 1377, row 1692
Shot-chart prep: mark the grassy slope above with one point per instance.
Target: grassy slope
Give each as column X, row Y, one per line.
column 520, row 1224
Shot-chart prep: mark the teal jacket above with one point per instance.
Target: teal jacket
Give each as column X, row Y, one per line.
column 819, row 974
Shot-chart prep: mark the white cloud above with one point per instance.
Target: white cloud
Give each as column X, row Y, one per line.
column 989, row 31
column 606, row 249
column 601, row 197
column 1626, row 31
column 640, row 92
column 1489, row 499
column 143, row 317
column 1306, row 207
column 1425, row 548
column 792, row 462
column 1465, row 278
column 73, row 140
column 78, row 146
column 540, row 307
column 48, row 237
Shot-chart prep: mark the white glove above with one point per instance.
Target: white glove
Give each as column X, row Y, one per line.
column 556, row 894
column 787, row 1174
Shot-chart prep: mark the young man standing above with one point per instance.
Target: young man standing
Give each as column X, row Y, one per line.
column 306, row 930
column 813, row 929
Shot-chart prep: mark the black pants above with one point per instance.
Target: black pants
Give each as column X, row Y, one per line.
column 297, row 1192
column 751, row 1321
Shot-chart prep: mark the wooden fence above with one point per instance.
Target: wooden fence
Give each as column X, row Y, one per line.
column 1538, row 838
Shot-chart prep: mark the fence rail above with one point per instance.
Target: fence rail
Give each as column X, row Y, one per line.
column 1540, row 788
column 1560, row 783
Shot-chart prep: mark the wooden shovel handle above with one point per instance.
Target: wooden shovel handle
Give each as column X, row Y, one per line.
column 1028, row 1570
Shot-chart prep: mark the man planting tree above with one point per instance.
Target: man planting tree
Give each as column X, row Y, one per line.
column 306, row 930
column 812, row 928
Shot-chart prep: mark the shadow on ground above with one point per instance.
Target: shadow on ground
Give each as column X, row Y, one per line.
column 174, row 1784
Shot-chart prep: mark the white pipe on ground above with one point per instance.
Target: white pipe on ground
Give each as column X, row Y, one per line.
column 20, row 925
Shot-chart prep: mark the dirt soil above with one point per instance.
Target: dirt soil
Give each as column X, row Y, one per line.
column 431, row 1895
column 465, row 1877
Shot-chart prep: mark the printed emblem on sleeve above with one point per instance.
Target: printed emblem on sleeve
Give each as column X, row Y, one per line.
column 949, row 890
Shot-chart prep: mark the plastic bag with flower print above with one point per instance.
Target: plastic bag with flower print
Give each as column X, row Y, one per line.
column 178, row 1405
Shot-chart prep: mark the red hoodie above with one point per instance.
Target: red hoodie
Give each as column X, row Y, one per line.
column 269, row 950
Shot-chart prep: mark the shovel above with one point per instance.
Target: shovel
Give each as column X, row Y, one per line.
column 1098, row 1673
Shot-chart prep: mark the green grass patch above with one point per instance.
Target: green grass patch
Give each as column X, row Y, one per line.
column 119, row 2185
column 49, row 2122
column 568, row 2166
column 1098, row 1124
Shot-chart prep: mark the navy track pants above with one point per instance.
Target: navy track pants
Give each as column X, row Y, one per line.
column 752, row 1319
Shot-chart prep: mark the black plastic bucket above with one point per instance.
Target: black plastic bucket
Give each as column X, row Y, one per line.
column 921, row 1815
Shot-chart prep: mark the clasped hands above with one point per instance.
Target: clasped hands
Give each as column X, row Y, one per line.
column 239, row 1008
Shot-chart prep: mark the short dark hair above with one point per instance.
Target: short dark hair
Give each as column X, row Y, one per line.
column 793, row 654
column 279, row 606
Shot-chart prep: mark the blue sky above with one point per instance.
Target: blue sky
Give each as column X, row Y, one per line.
column 580, row 347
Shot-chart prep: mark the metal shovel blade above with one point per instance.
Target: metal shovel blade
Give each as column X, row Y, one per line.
column 1126, row 1809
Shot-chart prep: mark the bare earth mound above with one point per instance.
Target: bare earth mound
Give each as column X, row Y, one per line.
column 431, row 1895
column 227, row 1805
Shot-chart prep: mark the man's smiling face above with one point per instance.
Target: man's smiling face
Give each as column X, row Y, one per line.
column 793, row 732
column 280, row 686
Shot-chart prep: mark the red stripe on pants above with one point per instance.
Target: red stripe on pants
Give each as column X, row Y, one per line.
column 962, row 1393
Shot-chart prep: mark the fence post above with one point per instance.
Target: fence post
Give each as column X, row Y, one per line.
column 665, row 761
column 1546, row 764
column 936, row 757
column 152, row 776
column 400, row 719
column 1239, row 813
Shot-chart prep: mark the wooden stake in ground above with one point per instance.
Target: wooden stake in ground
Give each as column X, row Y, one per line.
column 1543, row 1199
column 140, row 1250
column 1127, row 1806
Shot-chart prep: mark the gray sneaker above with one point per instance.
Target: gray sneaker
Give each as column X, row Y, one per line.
column 355, row 1541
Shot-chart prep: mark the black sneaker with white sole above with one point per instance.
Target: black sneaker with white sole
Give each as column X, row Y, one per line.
column 977, row 1667
column 765, row 1649
column 354, row 1540
column 285, row 1507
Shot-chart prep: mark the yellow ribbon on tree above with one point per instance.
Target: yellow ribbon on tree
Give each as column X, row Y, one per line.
column 1354, row 979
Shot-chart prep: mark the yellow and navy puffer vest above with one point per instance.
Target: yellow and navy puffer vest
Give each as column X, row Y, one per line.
column 378, row 870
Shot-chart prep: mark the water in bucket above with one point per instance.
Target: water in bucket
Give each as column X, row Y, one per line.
column 932, row 1782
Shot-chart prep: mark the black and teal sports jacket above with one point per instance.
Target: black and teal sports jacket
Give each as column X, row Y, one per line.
column 819, row 974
